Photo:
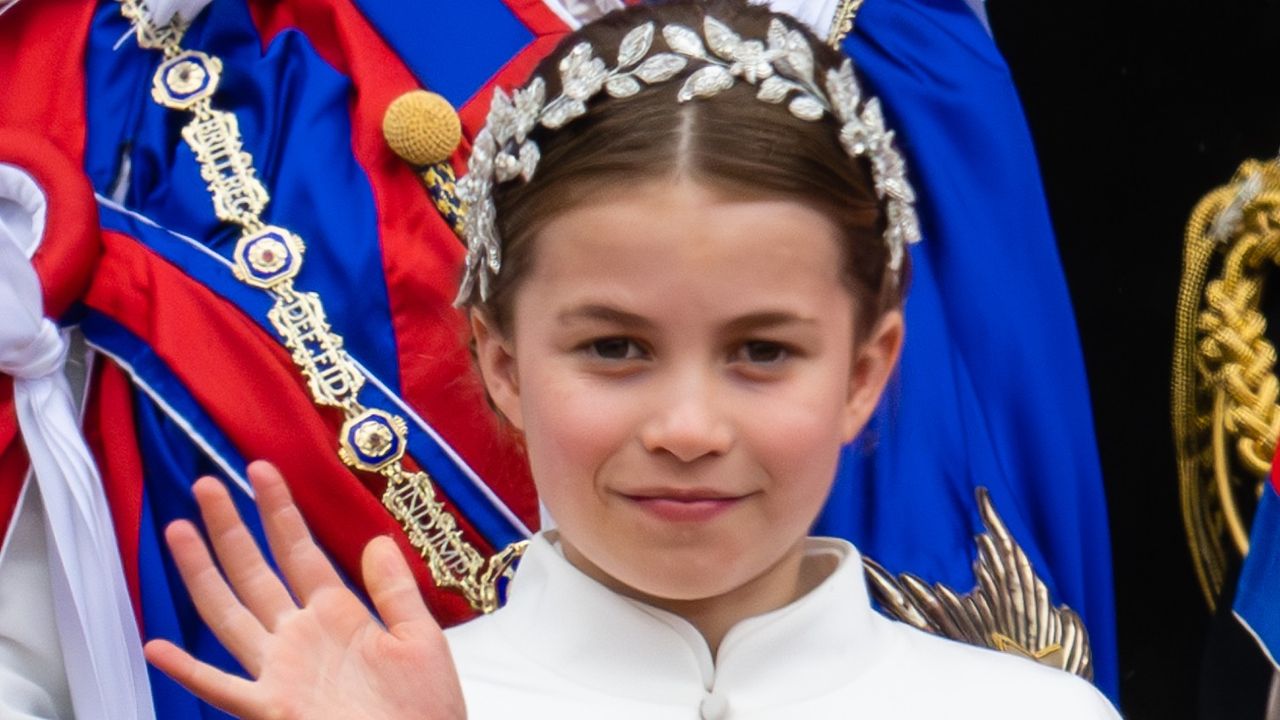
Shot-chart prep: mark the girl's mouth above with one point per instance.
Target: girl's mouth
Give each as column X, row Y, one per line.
column 684, row 506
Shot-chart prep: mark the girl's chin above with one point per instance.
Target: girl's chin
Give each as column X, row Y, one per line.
column 647, row 570
column 678, row 577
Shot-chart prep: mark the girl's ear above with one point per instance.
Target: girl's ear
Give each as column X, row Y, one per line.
column 496, row 357
column 874, row 360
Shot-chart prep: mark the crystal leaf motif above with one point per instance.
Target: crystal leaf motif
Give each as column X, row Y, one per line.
column 794, row 53
column 581, row 74
column 774, row 89
column 660, row 67
column 635, row 45
column 492, row 250
column 684, row 40
column 722, row 41
column 705, row 82
column 872, row 117
column 506, row 167
column 529, row 157
column 502, row 115
column 751, row 61
column 528, row 104
column 843, row 92
column 481, row 163
column 562, row 110
column 622, row 86
column 806, row 107
column 776, row 35
column 854, row 138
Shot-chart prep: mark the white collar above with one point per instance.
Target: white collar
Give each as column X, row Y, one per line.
column 815, row 645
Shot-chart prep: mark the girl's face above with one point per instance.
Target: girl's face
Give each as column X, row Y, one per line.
column 684, row 369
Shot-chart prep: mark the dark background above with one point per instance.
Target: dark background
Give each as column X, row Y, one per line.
column 1137, row 110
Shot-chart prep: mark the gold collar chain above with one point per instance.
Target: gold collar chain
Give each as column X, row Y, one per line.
column 268, row 257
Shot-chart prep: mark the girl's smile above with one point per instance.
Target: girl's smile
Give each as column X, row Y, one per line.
column 684, row 367
column 682, row 504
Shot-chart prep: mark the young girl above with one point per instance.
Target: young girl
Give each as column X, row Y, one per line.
column 684, row 278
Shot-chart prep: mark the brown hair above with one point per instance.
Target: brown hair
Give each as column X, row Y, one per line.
column 731, row 141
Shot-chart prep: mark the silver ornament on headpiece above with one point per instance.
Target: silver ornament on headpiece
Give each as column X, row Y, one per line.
column 781, row 67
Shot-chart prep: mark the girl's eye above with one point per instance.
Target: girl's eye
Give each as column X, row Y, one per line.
column 615, row 348
column 762, row 352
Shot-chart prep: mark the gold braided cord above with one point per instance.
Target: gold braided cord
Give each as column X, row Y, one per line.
column 1224, row 388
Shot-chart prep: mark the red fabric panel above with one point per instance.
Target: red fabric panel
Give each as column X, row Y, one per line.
column 247, row 384
column 65, row 258
column 109, row 429
column 42, row 61
column 13, row 458
column 1275, row 471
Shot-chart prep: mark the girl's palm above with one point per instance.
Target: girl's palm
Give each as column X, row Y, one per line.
column 321, row 656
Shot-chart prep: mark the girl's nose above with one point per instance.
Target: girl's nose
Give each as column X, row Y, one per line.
column 688, row 422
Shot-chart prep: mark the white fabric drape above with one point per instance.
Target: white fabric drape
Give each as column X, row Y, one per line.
column 162, row 11
column 96, row 627
column 817, row 14
column 33, row 677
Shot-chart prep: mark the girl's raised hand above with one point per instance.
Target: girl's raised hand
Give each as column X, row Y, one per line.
column 322, row 655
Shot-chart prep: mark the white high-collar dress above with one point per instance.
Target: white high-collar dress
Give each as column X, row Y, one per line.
column 567, row 647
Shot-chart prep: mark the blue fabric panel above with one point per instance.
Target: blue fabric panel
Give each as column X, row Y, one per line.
column 170, row 464
column 453, row 48
column 992, row 389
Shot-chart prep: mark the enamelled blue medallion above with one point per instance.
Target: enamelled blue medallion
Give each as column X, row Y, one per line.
column 268, row 257
column 373, row 439
column 185, row 79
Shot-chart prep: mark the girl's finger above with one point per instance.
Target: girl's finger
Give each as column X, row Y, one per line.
column 253, row 580
column 392, row 588
column 221, row 610
column 305, row 567
column 232, row 694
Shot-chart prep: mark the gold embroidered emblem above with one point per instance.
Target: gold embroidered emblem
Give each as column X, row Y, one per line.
column 1226, row 395
column 1009, row 609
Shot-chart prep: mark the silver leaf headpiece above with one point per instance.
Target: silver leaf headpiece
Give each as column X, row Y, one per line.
column 782, row 68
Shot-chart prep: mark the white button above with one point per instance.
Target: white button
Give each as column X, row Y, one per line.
column 715, row 706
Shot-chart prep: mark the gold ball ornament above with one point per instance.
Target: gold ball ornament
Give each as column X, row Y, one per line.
column 422, row 128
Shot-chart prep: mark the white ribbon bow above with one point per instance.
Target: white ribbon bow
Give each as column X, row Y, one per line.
column 96, row 628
